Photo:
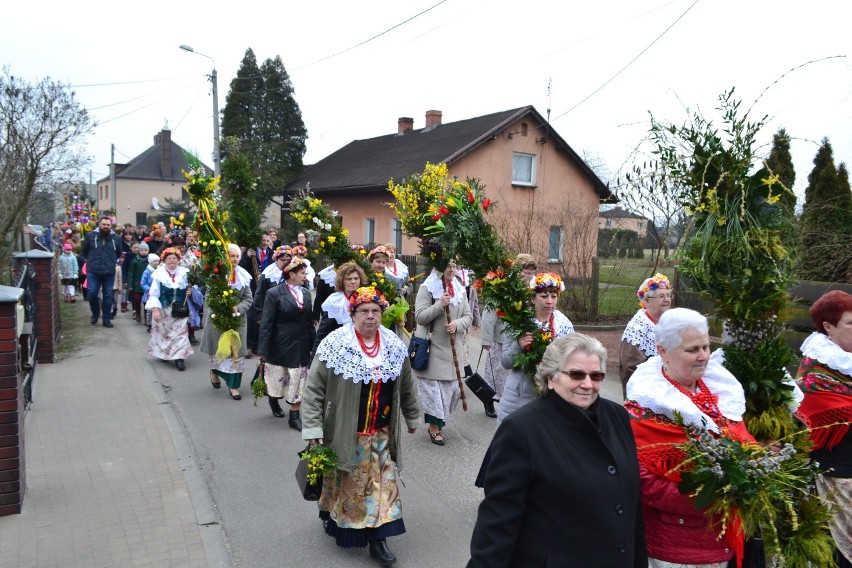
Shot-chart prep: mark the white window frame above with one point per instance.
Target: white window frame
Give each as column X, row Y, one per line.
column 532, row 162
column 396, row 235
column 550, row 235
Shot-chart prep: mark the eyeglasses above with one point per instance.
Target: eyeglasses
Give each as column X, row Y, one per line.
column 369, row 312
column 580, row 376
column 669, row 296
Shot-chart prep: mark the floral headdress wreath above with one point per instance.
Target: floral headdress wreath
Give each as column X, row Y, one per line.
column 358, row 248
column 545, row 280
column 168, row 251
column 656, row 282
column 294, row 264
column 366, row 295
column 282, row 250
column 381, row 249
column 299, row 250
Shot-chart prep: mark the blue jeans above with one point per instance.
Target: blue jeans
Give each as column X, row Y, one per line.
column 100, row 283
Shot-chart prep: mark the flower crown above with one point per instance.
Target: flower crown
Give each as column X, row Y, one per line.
column 381, row 249
column 358, row 248
column 655, row 282
column 545, row 280
column 366, row 295
column 299, row 250
column 294, row 264
column 282, row 250
column 168, row 251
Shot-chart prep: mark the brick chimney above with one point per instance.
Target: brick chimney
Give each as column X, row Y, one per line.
column 165, row 142
column 433, row 118
column 404, row 124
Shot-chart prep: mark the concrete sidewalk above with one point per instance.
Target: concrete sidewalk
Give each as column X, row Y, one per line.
column 111, row 480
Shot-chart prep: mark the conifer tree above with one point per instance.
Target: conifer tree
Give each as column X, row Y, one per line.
column 826, row 218
column 780, row 162
column 244, row 101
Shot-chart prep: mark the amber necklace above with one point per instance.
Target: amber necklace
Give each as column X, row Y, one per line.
column 369, row 351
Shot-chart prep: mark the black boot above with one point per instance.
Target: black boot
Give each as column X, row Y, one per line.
column 192, row 340
column 467, row 371
column 379, row 550
column 276, row 407
column 489, row 409
column 295, row 421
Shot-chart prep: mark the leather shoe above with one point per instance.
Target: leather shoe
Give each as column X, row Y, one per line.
column 180, row 364
column 94, row 320
column 214, row 380
column 295, row 421
column 379, row 551
column 235, row 396
column 108, row 324
column 489, row 409
column 277, row 412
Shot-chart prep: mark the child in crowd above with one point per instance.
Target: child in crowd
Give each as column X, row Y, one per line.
column 118, row 284
column 68, row 271
column 147, row 279
column 134, row 279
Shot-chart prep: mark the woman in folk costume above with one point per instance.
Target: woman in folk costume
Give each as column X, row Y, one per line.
column 683, row 380
column 169, row 339
column 825, row 375
column 396, row 270
column 519, row 389
column 286, row 337
column 358, row 390
column 231, row 367
column 437, row 386
column 637, row 341
column 269, row 278
column 301, row 251
column 335, row 308
column 325, row 287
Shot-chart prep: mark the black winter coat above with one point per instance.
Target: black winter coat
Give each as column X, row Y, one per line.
column 101, row 252
column 561, row 491
column 286, row 332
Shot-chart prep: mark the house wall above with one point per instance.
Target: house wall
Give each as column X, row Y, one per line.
column 133, row 195
column 638, row 224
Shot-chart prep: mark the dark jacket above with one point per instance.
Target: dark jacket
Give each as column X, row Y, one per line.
column 286, row 332
column 561, row 490
column 101, row 252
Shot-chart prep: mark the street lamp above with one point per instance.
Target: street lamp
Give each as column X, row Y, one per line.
column 213, row 79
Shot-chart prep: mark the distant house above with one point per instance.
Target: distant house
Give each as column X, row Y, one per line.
column 547, row 197
column 618, row 218
column 143, row 184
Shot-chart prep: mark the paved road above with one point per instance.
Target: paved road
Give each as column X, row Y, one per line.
column 248, row 458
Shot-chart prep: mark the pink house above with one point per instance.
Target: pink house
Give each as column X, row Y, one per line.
column 547, row 197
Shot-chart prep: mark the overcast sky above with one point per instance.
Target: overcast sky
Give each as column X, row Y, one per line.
column 463, row 57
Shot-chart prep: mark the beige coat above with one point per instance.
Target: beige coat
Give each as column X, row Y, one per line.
column 426, row 311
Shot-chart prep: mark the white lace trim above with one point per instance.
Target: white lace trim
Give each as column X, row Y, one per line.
column 640, row 332
column 328, row 275
column 337, row 307
column 650, row 389
column 343, row 356
column 798, row 394
column 272, row 273
column 161, row 276
column 561, row 324
column 243, row 278
column 434, row 283
column 818, row 346
column 401, row 270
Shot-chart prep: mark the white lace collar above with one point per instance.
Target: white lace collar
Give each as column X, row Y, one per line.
column 650, row 389
column 343, row 355
column 243, row 278
column 337, row 307
column 561, row 324
column 818, row 346
column 272, row 273
column 162, row 276
column 401, row 270
column 435, row 284
column 328, row 275
column 640, row 331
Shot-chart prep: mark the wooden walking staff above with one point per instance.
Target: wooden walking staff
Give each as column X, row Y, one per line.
column 455, row 357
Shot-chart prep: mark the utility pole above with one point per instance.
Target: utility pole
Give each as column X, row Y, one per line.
column 112, row 200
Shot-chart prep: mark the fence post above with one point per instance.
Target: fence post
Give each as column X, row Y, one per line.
column 46, row 302
column 12, row 478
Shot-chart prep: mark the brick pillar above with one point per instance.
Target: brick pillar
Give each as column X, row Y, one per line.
column 46, row 302
column 12, row 479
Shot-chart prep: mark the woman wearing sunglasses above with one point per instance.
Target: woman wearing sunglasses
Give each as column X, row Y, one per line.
column 562, row 484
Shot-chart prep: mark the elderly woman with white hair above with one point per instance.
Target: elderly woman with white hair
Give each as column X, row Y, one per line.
column 638, row 342
column 230, row 368
column 683, row 382
column 562, row 487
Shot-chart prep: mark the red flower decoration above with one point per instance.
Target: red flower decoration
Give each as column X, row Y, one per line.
column 436, row 217
column 500, row 313
column 442, row 210
column 470, row 197
column 485, row 204
column 215, row 270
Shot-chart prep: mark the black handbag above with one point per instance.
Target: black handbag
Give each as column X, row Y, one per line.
column 181, row 310
column 478, row 386
column 418, row 352
column 310, row 492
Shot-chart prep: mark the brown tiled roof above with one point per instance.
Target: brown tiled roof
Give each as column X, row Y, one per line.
column 619, row 213
column 369, row 164
column 147, row 165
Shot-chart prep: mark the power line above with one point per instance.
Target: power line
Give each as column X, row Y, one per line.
column 372, row 38
column 631, row 62
column 122, row 83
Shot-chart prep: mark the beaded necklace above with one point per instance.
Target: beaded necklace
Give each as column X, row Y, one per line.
column 706, row 401
column 369, row 351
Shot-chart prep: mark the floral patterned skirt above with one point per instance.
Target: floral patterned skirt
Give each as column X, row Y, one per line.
column 364, row 504
column 437, row 398
column 840, row 524
column 285, row 383
column 169, row 338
